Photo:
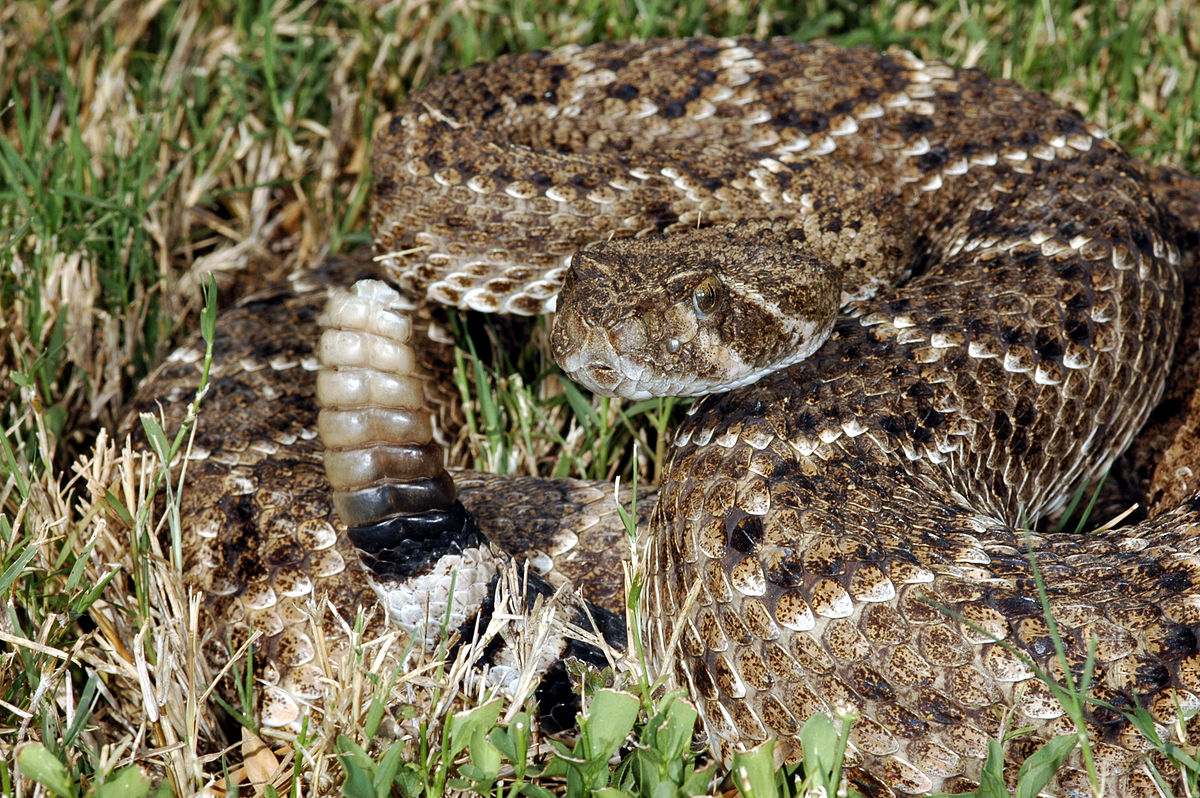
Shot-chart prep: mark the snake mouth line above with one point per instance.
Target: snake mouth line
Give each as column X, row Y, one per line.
column 588, row 356
column 603, row 376
column 617, row 376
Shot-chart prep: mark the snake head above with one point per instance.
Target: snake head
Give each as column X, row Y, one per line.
column 698, row 313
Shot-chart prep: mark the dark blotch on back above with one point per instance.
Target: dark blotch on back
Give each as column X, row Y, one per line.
column 747, row 534
column 912, row 124
column 672, row 110
column 624, row 92
column 936, row 158
column 804, row 121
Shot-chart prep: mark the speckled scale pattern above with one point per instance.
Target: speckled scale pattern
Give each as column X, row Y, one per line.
column 930, row 419
column 606, row 150
column 840, row 497
column 852, row 497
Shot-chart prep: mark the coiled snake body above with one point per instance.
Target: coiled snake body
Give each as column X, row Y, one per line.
column 845, row 533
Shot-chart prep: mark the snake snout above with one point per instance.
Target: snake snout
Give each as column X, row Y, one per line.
column 585, row 353
column 600, row 356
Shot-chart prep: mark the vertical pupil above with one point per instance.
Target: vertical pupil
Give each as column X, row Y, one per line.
column 705, row 296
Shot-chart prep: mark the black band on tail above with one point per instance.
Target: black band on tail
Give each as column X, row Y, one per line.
column 557, row 694
column 411, row 545
column 404, row 546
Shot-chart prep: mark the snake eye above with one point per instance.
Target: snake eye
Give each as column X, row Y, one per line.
column 706, row 296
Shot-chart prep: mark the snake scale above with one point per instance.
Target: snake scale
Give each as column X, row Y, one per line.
column 838, row 534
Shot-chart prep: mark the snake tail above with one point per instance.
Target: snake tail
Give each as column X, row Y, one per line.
column 432, row 566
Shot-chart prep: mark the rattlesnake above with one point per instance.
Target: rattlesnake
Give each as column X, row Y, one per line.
column 848, row 526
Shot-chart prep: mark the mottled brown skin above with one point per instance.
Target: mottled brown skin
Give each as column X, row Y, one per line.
column 497, row 174
column 822, row 509
column 1165, row 465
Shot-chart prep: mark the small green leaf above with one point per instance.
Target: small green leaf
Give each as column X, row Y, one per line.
column 485, row 757
column 78, row 567
column 513, row 742
column 14, row 570
column 157, row 438
column 699, row 783
column 374, row 716
column 360, row 770
column 385, row 771
column 36, row 762
column 609, row 720
column 754, row 771
column 504, row 743
column 991, row 778
column 670, row 732
column 208, row 316
column 466, row 724
column 408, row 780
column 818, row 741
column 1040, row 767
column 13, row 468
column 85, row 703
column 635, row 593
column 118, row 507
